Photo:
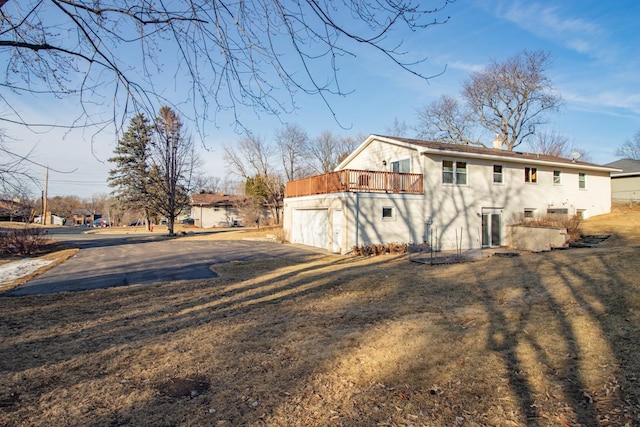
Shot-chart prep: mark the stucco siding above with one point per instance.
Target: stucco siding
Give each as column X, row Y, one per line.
column 378, row 152
column 625, row 188
column 467, row 210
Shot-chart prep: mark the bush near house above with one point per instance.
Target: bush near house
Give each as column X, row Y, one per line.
column 380, row 249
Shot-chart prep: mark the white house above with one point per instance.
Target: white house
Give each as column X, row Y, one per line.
column 625, row 183
column 216, row 210
column 411, row 191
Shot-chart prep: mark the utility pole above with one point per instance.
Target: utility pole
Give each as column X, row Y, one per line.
column 44, row 197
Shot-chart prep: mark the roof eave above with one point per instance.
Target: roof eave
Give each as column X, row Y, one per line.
column 528, row 160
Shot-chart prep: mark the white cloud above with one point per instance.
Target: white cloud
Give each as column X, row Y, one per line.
column 610, row 102
column 549, row 23
column 464, row 66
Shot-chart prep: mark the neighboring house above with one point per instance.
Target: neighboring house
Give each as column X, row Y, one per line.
column 449, row 196
column 82, row 216
column 51, row 219
column 216, row 210
column 625, row 184
column 14, row 211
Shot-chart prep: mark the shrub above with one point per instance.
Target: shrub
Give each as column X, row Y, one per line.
column 23, row 241
column 379, row 249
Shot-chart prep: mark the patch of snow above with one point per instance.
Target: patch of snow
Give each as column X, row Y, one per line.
column 16, row 269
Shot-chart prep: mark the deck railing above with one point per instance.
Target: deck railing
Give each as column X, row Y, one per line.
column 356, row 181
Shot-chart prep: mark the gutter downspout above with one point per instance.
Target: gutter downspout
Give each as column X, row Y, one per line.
column 357, row 219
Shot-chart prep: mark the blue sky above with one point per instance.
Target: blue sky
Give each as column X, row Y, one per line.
column 595, row 51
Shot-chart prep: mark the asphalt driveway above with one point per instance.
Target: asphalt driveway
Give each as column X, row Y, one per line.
column 140, row 261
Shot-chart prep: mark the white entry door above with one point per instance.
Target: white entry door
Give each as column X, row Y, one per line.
column 491, row 228
column 337, row 231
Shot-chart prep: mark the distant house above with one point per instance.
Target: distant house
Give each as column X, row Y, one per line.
column 625, row 184
column 82, row 216
column 14, row 211
column 411, row 191
column 51, row 219
column 216, row 210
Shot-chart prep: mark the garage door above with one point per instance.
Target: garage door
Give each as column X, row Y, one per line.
column 310, row 227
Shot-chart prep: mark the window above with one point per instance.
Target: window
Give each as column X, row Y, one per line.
column 454, row 172
column 530, row 174
column 387, row 213
column 557, row 178
column 401, row 166
column 580, row 213
column 497, row 174
column 582, row 180
column 557, row 211
column 529, row 213
column 461, row 173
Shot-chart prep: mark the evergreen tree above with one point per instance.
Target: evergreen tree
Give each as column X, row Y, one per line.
column 130, row 176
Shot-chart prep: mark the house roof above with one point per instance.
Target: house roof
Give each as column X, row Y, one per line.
column 216, row 199
column 629, row 167
column 434, row 147
column 81, row 212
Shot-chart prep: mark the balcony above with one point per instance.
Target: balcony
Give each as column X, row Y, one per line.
column 356, row 181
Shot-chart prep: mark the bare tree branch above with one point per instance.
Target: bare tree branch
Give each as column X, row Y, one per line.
column 630, row 149
column 123, row 53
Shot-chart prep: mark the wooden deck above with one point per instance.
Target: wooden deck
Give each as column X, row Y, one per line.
column 349, row 180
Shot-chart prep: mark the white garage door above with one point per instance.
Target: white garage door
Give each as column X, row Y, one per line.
column 310, row 227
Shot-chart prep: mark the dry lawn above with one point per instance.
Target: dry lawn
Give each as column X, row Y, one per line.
column 537, row 340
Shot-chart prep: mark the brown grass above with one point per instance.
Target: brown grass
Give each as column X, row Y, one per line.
column 537, row 340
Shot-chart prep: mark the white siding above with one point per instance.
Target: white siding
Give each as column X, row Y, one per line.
column 456, row 211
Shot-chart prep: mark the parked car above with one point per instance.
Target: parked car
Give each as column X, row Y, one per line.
column 188, row 221
column 101, row 223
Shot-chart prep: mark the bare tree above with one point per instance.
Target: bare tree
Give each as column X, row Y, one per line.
column 327, row 150
column 398, row 128
column 348, row 145
column 552, row 143
column 15, row 174
column 630, row 149
column 173, row 162
column 293, row 147
column 207, row 184
column 252, row 159
column 445, row 120
column 111, row 52
column 511, row 99
column 64, row 205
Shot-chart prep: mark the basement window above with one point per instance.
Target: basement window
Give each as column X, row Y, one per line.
column 557, row 211
column 529, row 213
column 388, row 214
